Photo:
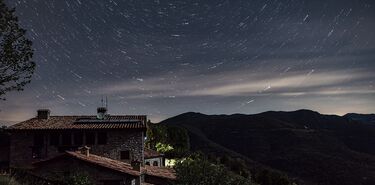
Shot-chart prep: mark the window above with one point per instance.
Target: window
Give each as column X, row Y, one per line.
column 66, row 138
column 125, row 155
column 36, row 152
column 54, row 139
column 155, row 163
column 38, row 140
column 102, row 138
column 90, row 138
column 148, row 163
column 78, row 138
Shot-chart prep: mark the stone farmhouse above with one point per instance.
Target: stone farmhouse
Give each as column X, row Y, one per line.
column 109, row 148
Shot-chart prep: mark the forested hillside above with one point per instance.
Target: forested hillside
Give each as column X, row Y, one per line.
column 308, row 146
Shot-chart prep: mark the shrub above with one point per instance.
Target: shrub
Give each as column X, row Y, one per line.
column 196, row 170
column 78, row 178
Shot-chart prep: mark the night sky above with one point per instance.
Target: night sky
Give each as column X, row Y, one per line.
column 163, row 58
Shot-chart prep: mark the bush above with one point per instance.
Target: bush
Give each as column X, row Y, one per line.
column 79, row 178
column 7, row 180
column 267, row 177
column 172, row 141
column 196, row 170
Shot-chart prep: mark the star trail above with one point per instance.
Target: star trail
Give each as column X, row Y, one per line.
column 162, row 58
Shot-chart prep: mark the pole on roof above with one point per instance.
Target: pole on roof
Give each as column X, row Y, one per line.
column 106, row 102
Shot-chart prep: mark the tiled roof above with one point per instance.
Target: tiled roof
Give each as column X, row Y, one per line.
column 148, row 153
column 163, row 172
column 120, row 166
column 106, row 162
column 82, row 122
column 98, row 160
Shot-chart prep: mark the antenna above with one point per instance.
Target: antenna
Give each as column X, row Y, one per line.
column 106, row 102
column 102, row 101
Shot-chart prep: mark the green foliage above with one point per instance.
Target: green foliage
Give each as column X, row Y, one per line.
column 78, row 178
column 155, row 134
column 267, row 177
column 7, row 180
column 196, row 170
column 23, row 177
column 236, row 165
column 262, row 176
column 16, row 68
column 173, row 141
column 160, row 147
column 216, row 169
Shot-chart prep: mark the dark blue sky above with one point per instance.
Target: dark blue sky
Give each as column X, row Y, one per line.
column 162, row 58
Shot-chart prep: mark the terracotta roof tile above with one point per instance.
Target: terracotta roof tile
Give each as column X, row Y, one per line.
column 82, row 122
column 145, row 183
column 106, row 162
column 120, row 166
column 162, row 172
column 148, row 153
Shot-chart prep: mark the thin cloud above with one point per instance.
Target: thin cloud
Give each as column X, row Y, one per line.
column 243, row 84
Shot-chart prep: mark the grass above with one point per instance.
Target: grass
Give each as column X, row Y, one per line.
column 6, row 180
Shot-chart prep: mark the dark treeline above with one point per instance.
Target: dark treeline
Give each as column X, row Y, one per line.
column 194, row 161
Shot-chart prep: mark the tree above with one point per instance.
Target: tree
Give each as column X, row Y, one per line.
column 196, row 170
column 16, row 67
column 78, row 178
column 267, row 177
column 170, row 140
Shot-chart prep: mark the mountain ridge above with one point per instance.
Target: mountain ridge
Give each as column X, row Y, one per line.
column 365, row 118
column 301, row 143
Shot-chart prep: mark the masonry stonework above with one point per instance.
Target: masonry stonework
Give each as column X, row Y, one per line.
column 20, row 149
column 22, row 144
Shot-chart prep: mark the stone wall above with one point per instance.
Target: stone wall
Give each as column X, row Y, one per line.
column 4, row 158
column 117, row 140
column 4, row 154
column 4, row 150
column 122, row 141
column 20, row 151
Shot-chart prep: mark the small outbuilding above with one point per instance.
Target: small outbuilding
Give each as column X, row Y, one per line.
column 153, row 158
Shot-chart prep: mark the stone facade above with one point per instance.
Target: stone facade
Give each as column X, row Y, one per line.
column 4, row 158
column 20, row 149
column 24, row 150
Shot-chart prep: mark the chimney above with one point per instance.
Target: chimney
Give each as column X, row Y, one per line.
column 85, row 150
column 43, row 113
column 136, row 165
column 102, row 112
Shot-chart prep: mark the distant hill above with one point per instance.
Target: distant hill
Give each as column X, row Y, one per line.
column 6, row 123
column 309, row 146
column 365, row 118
